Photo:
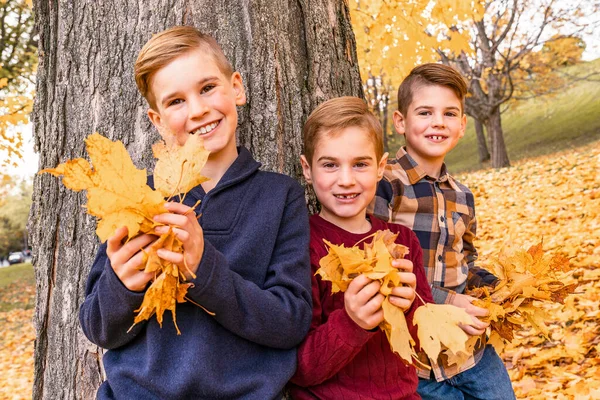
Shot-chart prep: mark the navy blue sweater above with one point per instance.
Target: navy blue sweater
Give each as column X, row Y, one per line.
column 254, row 275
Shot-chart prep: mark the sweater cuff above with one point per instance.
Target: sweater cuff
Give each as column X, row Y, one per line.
column 206, row 275
column 118, row 289
column 348, row 331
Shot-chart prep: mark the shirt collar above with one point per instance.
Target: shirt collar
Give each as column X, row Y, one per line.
column 415, row 172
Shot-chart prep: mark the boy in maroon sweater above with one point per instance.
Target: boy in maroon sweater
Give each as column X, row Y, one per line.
column 345, row 355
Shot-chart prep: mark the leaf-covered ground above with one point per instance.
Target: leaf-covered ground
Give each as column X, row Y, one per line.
column 17, row 296
column 555, row 197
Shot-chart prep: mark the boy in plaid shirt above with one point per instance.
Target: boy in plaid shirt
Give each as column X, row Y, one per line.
column 418, row 192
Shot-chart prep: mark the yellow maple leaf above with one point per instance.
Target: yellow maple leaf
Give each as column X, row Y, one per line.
column 439, row 325
column 525, row 277
column 462, row 357
column 165, row 292
column 178, row 169
column 118, row 196
column 116, row 190
column 396, row 330
column 342, row 264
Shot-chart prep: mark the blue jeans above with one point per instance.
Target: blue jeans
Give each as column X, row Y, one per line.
column 487, row 380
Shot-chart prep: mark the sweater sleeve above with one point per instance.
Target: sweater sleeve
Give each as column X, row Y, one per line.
column 278, row 313
column 329, row 346
column 107, row 312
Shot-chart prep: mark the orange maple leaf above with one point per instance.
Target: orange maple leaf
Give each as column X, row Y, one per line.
column 525, row 277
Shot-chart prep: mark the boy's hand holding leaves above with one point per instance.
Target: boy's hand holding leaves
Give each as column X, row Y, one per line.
column 165, row 242
column 477, row 327
column 526, row 277
column 127, row 260
column 362, row 302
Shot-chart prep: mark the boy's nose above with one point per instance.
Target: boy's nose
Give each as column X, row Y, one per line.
column 437, row 120
column 346, row 177
column 197, row 108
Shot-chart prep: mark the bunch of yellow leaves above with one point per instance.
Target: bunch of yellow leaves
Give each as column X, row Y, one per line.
column 438, row 324
column 118, row 195
column 525, row 277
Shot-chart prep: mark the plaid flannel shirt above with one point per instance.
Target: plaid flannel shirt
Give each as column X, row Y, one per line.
column 441, row 212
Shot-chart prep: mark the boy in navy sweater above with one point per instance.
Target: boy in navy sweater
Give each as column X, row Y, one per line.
column 248, row 250
column 345, row 355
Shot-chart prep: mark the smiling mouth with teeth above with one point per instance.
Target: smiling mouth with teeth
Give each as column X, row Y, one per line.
column 346, row 196
column 206, row 129
column 436, row 137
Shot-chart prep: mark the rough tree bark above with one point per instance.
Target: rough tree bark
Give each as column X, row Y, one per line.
column 292, row 56
column 493, row 126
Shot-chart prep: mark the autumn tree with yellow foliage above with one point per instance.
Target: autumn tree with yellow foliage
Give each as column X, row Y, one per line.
column 18, row 61
column 506, row 49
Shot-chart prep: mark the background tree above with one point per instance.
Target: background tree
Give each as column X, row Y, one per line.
column 392, row 37
column 292, row 56
column 18, row 60
column 379, row 93
column 518, row 55
column 508, row 50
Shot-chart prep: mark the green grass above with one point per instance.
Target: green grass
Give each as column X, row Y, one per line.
column 17, row 287
column 540, row 126
column 543, row 125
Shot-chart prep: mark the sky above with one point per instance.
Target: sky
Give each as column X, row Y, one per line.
column 29, row 165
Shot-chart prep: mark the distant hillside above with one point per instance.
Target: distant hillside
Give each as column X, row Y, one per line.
column 538, row 126
column 543, row 125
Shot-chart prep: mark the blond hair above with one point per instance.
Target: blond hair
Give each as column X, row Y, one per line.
column 337, row 114
column 431, row 74
column 166, row 46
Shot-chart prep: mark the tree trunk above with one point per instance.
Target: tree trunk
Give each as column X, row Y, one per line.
column 484, row 154
column 292, row 55
column 494, row 129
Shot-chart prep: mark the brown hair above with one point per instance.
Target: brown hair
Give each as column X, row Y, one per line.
column 166, row 46
column 431, row 74
column 336, row 114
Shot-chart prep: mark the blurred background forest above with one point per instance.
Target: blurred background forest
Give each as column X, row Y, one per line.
column 533, row 70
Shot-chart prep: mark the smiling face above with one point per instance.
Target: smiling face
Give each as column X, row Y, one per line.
column 194, row 97
column 432, row 126
column 344, row 173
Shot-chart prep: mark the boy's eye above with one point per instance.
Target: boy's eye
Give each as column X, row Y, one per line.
column 207, row 88
column 451, row 114
column 175, row 101
column 424, row 112
column 329, row 165
column 361, row 165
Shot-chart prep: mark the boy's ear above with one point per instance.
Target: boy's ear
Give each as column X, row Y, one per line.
column 306, row 169
column 399, row 122
column 238, row 89
column 154, row 117
column 463, row 125
column 156, row 120
column 381, row 166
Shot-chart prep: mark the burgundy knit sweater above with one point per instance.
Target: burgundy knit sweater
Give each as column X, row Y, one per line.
column 338, row 359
